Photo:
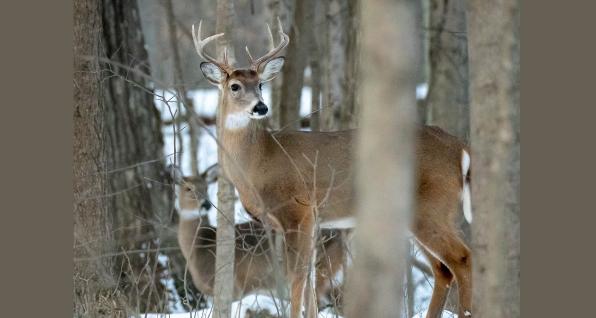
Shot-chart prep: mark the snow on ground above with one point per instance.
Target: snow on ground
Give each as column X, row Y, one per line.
column 239, row 309
column 446, row 314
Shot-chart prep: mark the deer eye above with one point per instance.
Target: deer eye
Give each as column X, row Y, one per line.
column 187, row 189
column 235, row 87
column 261, row 86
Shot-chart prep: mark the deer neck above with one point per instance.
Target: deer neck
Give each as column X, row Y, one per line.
column 246, row 146
column 187, row 228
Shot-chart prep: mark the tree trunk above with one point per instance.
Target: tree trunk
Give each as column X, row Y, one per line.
column 281, row 9
column 139, row 197
column 351, row 107
column 494, row 64
column 340, row 32
column 385, row 159
column 297, row 57
column 93, row 278
column 224, row 262
column 175, row 257
column 447, row 100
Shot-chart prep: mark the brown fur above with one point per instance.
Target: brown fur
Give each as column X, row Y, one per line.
column 278, row 182
column 253, row 255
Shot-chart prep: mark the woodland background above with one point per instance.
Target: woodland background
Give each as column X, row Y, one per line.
column 141, row 103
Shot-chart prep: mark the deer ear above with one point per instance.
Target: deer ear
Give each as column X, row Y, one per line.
column 271, row 69
column 213, row 73
column 175, row 173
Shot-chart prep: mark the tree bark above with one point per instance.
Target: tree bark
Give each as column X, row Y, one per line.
column 447, row 99
column 296, row 60
column 175, row 258
column 224, row 262
column 494, row 77
column 93, row 279
column 340, row 64
column 283, row 10
column 139, row 199
column 385, row 158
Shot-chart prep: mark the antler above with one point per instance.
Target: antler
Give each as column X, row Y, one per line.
column 284, row 40
column 200, row 47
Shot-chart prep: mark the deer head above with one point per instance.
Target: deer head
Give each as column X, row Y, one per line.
column 241, row 87
column 191, row 191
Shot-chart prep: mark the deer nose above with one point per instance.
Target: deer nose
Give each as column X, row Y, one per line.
column 206, row 205
column 260, row 108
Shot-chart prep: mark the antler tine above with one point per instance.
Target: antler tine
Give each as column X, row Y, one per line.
column 285, row 39
column 250, row 58
column 201, row 43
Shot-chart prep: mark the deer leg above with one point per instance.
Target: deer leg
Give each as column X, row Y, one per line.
column 446, row 246
column 300, row 249
column 443, row 279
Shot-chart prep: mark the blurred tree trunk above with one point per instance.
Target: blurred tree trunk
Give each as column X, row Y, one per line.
column 297, row 58
column 494, row 64
column 385, row 158
column 283, row 10
column 93, row 279
column 447, row 99
column 224, row 262
column 139, row 198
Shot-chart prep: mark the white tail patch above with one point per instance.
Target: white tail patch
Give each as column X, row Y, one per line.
column 466, row 196
column 237, row 120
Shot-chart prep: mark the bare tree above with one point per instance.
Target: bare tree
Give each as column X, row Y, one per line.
column 297, row 60
column 385, row 158
column 493, row 33
column 224, row 262
column 447, row 99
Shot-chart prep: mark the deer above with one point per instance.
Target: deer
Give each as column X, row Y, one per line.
column 274, row 176
column 253, row 254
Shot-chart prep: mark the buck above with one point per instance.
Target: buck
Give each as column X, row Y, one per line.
column 294, row 179
column 253, row 258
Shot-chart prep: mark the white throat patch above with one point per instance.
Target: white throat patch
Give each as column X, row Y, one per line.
column 192, row 214
column 237, row 120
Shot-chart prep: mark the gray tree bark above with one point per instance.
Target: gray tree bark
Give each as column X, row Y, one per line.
column 283, row 10
column 340, row 32
column 139, row 200
column 176, row 259
column 224, row 262
column 447, row 99
column 493, row 33
column 297, row 57
column 385, row 158
column 93, row 279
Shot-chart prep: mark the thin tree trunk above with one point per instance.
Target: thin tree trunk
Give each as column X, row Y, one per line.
column 93, row 278
column 340, row 31
column 176, row 259
column 281, row 9
column 385, row 158
column 179, row 86
column 296, row 61
column 494, row 64
column 447, row 100
column 224, row 262
column 138, row 200
column 351, row 107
